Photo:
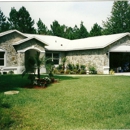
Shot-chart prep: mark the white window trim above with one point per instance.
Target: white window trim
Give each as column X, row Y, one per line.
column 1, row 66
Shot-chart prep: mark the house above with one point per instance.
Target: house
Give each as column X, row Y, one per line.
column 105, row 52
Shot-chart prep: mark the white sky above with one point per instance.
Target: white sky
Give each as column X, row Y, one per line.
column 70, row 13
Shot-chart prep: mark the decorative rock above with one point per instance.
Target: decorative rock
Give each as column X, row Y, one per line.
column 11, row 92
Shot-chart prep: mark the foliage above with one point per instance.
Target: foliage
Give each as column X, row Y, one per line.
column 83, row 33
column 57, row 29
column 112, row 72
column 91, row 102
column 4, row 25
column 92, row 69
column 83, row 67
column 42, row 29
column 64, row 59
column 96, row 30
column 21, row 20
column 11, row 72
column 119, row 21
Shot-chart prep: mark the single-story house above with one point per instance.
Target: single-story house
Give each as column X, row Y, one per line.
column 105, row 52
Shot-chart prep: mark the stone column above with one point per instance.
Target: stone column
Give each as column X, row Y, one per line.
column 42, row 69
column 21, row 62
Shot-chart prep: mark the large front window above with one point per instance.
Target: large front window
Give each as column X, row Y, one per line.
column 52, row 57
column 2, row 58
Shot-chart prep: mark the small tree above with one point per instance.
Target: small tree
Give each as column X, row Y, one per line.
column 64, row 59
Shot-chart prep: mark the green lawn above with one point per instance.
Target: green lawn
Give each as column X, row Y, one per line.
column 75, row 103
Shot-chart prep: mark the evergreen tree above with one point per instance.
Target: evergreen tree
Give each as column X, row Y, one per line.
column 42, row 29
column 69, row 33
column 13, row 19
column 119, row 21
column 96, row 30
column 25, row 21
column 57, row 29
column 83, row 33
column 76, row 32
column 4, row 25
column 21, row 20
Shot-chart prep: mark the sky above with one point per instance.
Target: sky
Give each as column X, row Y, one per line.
column 66, row 12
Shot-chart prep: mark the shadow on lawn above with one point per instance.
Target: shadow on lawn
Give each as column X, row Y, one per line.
column 14, row 82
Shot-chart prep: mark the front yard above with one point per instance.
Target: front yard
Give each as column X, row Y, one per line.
column 91, row 102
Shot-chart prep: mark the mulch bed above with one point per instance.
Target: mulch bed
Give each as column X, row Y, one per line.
column 34, row 87
column 37, row 87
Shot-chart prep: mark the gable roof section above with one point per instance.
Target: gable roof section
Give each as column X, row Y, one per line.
column 11, row 31
column 54, row 43
column 61, row 44
column 28, row 39
column 96, row 42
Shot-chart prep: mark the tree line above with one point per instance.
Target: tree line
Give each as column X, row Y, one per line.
column 118, row 22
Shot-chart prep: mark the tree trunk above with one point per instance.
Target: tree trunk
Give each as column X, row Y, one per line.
column 38, row 73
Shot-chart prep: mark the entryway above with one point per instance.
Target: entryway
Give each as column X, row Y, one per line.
column 120, row 61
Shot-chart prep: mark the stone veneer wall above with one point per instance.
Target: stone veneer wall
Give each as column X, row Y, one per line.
column 96, row 57
column 6, row 44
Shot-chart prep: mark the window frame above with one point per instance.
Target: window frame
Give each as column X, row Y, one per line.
column 53, row 57
column 2, row 58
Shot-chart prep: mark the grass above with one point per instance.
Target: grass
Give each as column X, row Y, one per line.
column 94, row 102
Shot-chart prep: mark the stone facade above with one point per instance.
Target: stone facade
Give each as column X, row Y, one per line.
column 14, row 59
column 6, row 43
column 97, row 57
column 15, row 53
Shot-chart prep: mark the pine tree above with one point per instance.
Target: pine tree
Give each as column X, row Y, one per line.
column 13, row 19
column 42, row 29
column 57, row 29
column 83, row 33
column 25, row 21
column 96, row 30
column 21, row 20
column 4, row 25
column 119, row 21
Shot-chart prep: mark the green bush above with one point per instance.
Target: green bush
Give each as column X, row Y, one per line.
column 70, row 66
column 82, row 72
column 62, row 71
column 92, row 70
column 67, row 71
column 83, row 67
column 60, row 67
column 11, row 72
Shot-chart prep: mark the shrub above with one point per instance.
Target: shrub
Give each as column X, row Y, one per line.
column 56, row 71
column 72, row 72
column 112, row 71
column 70, row 66
column 60, row 67
column 76, row 71
column 92, row 70
column 67, row 71
column 62, row 71
column 82, row 72
column 11, row 72
column 83, row 67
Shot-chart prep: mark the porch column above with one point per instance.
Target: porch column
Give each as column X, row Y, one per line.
column 106, row 64
column 21, row 62
column 42, row 69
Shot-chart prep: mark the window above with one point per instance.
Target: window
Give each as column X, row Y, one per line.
column 52, row 58
column 2, row 58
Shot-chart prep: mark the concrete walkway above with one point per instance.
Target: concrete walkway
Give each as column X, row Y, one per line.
column 120, row 74
column 125, row 73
